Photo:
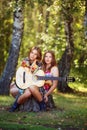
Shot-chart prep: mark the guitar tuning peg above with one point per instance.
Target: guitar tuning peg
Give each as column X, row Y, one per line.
column 73, row 79
column 70, row 79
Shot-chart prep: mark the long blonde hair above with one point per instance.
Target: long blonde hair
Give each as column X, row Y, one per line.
column 39, row 54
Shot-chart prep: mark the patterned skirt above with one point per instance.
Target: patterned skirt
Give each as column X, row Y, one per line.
column 32, row 104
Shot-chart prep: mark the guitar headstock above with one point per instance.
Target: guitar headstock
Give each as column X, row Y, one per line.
column 70, row 79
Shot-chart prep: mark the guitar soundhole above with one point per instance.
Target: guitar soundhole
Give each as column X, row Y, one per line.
column 23, row 77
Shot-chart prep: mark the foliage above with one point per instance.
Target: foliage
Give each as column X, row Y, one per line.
column 5, row 31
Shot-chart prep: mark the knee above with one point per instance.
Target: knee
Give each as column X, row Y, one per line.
column 13, row 93
column 27, row 94
column 33, row 89
column 13, row 90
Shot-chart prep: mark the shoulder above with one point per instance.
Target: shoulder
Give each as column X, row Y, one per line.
column 25, row 62
column 54, row 68
column 26, row 59
column 55, row 71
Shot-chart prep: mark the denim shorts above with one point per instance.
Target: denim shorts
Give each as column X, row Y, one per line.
column 21, row 91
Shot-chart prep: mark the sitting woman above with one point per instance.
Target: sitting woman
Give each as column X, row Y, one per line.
column 50, row 68
column 23, row 95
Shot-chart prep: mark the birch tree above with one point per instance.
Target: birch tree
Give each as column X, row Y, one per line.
column 10, row 68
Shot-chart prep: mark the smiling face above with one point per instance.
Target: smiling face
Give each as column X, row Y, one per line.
column 33, row 55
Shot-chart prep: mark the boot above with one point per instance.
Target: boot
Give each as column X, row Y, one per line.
column 42, row 106
column 15, row 105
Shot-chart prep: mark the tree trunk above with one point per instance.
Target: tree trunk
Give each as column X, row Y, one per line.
column 11, row 64
column 64, row 64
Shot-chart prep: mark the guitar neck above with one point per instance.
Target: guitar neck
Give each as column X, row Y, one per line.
column 51, row 78
column 66, row 79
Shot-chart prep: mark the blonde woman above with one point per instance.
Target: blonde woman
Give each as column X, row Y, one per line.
column 22, row 95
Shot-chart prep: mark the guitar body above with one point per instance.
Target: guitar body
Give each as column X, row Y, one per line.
column 25, row 79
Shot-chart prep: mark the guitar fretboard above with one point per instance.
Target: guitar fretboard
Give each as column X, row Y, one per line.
column 50, row 78
column 66, row 79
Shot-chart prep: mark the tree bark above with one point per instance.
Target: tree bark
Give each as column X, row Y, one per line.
column 11, row 64
column 65, row 62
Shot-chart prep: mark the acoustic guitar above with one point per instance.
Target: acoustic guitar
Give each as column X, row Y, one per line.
column 25, row 78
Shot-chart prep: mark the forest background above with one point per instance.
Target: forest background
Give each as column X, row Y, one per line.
column 59, row 25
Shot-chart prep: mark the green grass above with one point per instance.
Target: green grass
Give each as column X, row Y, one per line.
column 70, row 114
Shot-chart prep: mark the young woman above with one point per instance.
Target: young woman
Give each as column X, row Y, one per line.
column 22, row 95
column 50, row 68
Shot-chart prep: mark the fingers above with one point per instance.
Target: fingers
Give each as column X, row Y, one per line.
column 45, row 98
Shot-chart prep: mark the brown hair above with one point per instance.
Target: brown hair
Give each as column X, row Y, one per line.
column 39, row 54
column 53, row 63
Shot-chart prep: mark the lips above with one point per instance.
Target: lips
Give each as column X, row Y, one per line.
column 47, row 61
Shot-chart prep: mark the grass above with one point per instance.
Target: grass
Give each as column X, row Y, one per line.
column 70, row 114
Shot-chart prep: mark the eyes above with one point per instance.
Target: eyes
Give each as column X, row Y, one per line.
column 34, row 52
column 48, row 56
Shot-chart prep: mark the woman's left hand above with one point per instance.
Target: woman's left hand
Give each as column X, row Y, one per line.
column 45, row 98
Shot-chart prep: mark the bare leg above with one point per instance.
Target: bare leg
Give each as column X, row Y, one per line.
column 24, row 96
column 35, row 92
column 20, row 99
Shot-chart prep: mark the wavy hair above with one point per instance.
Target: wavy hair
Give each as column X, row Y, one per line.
column 39, row 54
column 53, row 63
